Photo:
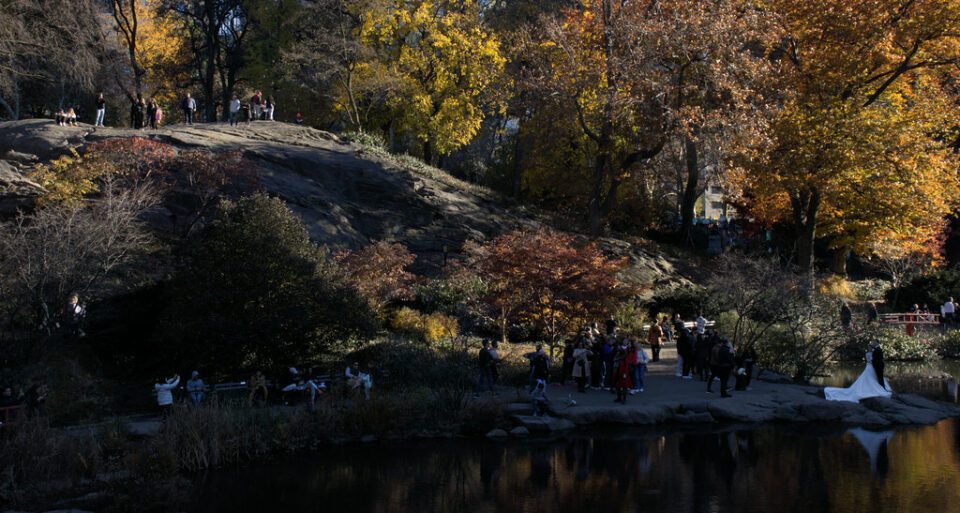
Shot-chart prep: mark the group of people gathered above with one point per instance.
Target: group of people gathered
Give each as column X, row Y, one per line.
column 148, row 113
column 294, row 386
column 258, row 108
column 610, row 361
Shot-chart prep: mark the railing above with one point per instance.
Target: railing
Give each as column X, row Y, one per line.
column 688, row 324
column 910, row 318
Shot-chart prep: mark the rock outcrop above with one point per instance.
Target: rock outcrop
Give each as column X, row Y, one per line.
column 347, row 194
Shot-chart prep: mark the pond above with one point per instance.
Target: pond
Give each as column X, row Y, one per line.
column 925, row 378
column 768, row 469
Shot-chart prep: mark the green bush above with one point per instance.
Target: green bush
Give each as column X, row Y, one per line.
column 948, row 344
column 257, row 293
column 366, row 139
column 896, row 344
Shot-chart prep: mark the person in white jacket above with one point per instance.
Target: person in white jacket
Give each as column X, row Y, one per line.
column 165, row 393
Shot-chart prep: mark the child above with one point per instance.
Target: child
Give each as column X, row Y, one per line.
column 539, row 399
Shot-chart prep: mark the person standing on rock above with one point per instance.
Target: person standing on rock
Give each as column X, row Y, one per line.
column 234, row 110
column 596, row 359
column 655, row 339
column 622, row 381
column 268, row 109
column 189, row 108
column 101, row 110
column 581, row 364
column 539, row 366
column 724, row 366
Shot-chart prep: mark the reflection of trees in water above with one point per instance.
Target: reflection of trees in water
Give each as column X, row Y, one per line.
column 745, row 471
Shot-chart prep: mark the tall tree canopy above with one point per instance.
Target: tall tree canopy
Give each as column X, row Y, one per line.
column 862, row 144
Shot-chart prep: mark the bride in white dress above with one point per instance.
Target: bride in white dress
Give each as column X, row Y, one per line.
column 865, row 386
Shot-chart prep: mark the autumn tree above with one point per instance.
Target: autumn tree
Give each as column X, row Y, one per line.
column 379, row 272
column 330, row 56
column 632, row 75
column 154, row 47
column 444, row 63
column 547, row 279
column 861, row 142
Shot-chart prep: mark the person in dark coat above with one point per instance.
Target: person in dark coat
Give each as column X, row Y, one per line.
column 878, row 362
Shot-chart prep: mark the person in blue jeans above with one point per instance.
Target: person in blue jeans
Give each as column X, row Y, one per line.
column 639, row 369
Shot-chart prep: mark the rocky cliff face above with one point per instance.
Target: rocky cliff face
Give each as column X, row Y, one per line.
column 346, row 194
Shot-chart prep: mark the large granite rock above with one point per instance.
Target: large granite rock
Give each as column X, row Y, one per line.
column 346, row 194
column 16, row 191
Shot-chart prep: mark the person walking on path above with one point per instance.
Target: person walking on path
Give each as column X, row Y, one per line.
column 655, row 339
column 101, row 110
column 234, row 110
column 196, row 388
column 484, row 362
column 189, row 108
column 164, row 390
column 581, row 365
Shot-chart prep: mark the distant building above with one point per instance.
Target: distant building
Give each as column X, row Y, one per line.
column 714, row 206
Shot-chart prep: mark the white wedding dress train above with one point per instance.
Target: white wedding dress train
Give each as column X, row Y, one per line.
column 865, row 386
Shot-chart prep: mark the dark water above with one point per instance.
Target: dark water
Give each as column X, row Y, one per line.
column 774, row 469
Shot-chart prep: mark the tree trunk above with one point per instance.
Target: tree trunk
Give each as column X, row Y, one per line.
column 838, row 264
column 690, row 190
column 806, row 206
column 211, row 35
column 428, row 152
column 517, row 175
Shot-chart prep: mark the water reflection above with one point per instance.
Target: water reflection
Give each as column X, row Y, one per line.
column 771, row 469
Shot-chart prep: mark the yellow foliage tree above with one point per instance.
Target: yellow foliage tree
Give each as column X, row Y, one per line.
column 861, row 144
column 156, row 50
column 443, row 62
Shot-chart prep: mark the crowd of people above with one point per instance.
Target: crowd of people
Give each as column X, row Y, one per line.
column 611, row 362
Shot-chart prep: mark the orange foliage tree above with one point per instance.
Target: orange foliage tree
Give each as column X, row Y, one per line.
column 379, row 273
column 545, row 278
column 860, row 147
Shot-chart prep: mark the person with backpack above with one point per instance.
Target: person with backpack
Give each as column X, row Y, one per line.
column 189, row 107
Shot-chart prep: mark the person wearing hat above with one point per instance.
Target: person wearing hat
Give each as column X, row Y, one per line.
column 539, row 399
column 196, row 388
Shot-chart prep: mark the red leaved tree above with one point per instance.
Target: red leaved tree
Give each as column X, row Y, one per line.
column 379, row 272
column 545, row 278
